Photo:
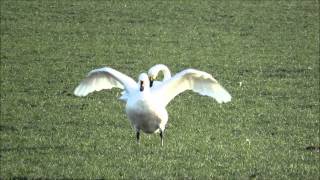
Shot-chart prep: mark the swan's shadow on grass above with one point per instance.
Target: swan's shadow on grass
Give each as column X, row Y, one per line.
column 313, row 148
column 33, row 148
column 7, row 128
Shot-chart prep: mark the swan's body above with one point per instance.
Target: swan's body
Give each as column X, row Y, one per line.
column 145, row 113
column 146, row 107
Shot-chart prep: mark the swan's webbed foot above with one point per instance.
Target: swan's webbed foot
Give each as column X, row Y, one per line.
column 138, row 136
column 161, row 136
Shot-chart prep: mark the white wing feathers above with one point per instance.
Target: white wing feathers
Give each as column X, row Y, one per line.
column 104, row 78
column 191, row 79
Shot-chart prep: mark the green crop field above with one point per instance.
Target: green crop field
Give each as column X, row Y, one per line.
column 264, row 52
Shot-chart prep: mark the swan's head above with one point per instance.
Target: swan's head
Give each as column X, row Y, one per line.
column 143, row 81
column 151, row 79
column 152, row 73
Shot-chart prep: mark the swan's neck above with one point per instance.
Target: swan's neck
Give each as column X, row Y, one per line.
column 145, row 95
column 165, row 70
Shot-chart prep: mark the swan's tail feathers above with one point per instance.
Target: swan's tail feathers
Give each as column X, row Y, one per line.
column 124, row 96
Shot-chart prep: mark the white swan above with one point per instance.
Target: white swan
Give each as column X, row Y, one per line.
column 154, row 71
column 146, row 107
column 153, row 74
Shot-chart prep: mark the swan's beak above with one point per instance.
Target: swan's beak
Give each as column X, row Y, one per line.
column 141, row 86
column 151, row 79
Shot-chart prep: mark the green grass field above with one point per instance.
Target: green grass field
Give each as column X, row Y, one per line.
column 270, row 47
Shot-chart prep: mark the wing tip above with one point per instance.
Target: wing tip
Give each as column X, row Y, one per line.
column 78, row 91
column 222, row 96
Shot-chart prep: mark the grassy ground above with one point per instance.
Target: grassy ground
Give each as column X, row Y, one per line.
column 269, row 47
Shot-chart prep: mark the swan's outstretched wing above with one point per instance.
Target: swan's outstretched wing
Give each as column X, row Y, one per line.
column 104, row 78
column 191, row 79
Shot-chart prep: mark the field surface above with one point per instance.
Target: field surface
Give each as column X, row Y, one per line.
column 265, row 53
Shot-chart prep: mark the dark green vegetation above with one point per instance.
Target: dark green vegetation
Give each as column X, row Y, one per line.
column 266, row 53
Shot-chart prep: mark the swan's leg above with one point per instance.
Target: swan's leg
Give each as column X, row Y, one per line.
column 161, row 136
column 138, row 136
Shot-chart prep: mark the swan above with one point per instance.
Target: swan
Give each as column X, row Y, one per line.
column 145, row 106
column 153, row 74
column 154, row 71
